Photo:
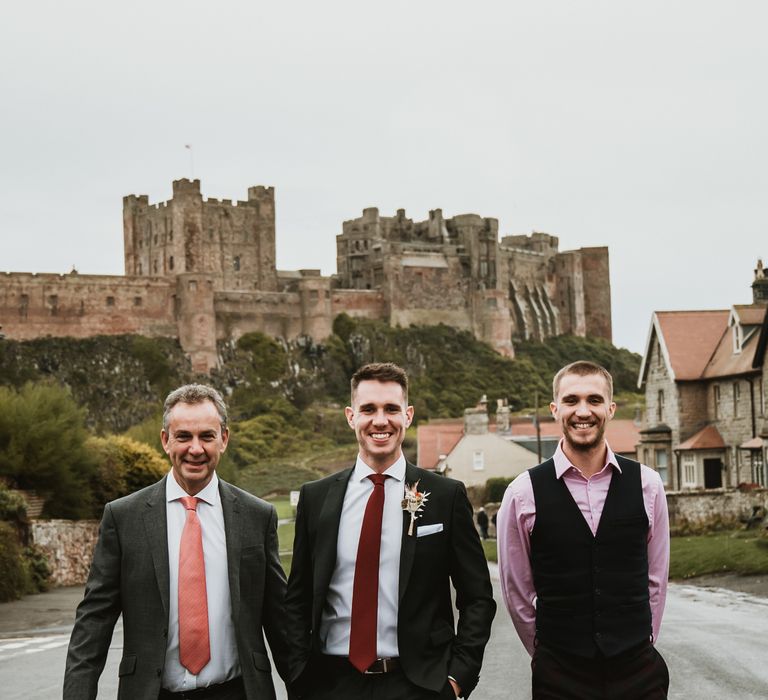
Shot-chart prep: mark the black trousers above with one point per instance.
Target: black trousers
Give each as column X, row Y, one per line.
column 637, row 674
column 344, row 682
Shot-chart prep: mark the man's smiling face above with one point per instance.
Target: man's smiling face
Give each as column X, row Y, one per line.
column 379, row 416
column 583, row 409
column 194, row 442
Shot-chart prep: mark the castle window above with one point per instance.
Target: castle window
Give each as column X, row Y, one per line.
column 155, row 239
column 491, row 303
column 140, row 269
column 154, row 265
column 110, row 301
column 660, row 406
column 236, row 263
column 313, row 295
column 192, row 285
column 137, row 301
column 170, row 262
column 141, row 242
column 736, row 399
column 716, row 400
column 53, row 303
column 24, row 305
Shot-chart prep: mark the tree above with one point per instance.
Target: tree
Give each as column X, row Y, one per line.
column 42, row 447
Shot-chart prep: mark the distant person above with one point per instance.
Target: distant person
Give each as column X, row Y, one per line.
column 494, row 518
column 369, row 611
column 192, row 564
column 583, row 543
column 482, row 523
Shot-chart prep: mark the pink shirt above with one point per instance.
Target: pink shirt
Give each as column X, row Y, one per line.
column 517, row 518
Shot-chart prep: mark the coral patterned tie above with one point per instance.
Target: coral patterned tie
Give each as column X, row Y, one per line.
column 365, row 592
column 194, row 646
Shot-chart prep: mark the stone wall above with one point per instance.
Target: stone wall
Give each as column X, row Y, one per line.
column 702, row 510
column 69, row 546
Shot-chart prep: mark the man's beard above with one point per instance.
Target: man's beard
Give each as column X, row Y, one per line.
column 585, row 446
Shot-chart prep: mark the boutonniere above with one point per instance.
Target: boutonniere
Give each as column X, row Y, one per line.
column 413, row 503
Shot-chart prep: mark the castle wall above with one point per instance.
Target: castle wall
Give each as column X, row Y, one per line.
column 597, row 292
column 569, row 292
column 35, row 305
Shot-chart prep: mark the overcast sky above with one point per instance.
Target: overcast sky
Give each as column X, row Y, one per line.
column 642, row 126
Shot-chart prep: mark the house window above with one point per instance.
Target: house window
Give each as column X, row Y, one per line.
column 736, row 399
column 478, row 460
column 662, row 465
column 660, row 406
column 689, row 470
column 716, row 400
column 110, row 301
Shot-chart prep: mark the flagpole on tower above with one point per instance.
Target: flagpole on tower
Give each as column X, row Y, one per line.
column 188, row 146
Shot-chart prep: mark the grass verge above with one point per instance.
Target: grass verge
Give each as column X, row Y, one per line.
column 740, row 552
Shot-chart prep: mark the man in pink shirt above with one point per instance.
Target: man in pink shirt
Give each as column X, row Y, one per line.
column 584, row 555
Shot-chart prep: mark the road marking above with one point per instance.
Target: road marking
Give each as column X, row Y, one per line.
column 13, row 648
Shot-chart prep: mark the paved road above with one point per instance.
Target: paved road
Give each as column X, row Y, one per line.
column 714, row 642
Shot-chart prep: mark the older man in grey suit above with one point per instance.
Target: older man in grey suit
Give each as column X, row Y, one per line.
column 192, row 564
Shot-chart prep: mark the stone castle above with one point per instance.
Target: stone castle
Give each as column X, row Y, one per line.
column 203, row 270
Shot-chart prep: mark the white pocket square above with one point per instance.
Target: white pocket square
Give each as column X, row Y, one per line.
column 424, row 530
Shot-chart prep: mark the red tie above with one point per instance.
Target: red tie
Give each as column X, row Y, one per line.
column 194, row 647
column 365, row 593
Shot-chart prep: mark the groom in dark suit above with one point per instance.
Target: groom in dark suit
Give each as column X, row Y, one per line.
column 377, row 546
column 192, row 564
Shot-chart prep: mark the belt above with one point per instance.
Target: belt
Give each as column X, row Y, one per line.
column 382, row 665
column 210, row 692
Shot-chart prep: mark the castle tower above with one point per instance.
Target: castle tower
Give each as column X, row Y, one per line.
column 233, row 242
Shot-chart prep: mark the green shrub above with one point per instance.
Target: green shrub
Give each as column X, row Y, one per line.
column 13, row 506
column 16, row 579
column 38, row 567
column 123, row 466
column 495, row 488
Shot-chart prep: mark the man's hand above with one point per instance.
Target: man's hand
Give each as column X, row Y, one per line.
column 455, row 687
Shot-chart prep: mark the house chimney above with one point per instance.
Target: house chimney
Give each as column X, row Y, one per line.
column 476, row 419
column 502, row 416
column 760, row 285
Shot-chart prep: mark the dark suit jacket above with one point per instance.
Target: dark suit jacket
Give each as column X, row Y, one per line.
column 130, row 575
column 431, row 648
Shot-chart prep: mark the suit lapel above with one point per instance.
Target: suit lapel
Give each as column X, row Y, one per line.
column 327, row 534
column 408, row 545
column 156, row 529
column 234, row 536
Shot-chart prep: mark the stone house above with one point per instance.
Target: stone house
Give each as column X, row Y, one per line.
column 704, row 374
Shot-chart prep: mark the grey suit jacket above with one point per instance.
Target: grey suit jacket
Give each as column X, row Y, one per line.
column 130, row 575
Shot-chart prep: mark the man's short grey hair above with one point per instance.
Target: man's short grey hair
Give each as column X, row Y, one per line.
column 195, row 393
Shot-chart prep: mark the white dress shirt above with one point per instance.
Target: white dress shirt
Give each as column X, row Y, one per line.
column 224, row 664
column 335, row 619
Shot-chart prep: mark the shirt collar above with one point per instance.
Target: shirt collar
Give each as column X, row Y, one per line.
column 563, row 464
column 210, row 494
column 395, row 471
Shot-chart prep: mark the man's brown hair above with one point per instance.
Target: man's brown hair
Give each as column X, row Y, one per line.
column 582, row 368
column 380, row 372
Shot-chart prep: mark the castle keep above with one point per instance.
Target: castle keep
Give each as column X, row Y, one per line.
column 203, row 270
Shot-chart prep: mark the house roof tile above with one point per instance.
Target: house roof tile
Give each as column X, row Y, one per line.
column 691, row 338
column 708, row 438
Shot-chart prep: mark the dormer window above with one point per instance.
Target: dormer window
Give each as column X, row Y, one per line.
column 738, row 337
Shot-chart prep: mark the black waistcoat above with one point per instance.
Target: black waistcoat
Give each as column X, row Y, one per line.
column 592, row 591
